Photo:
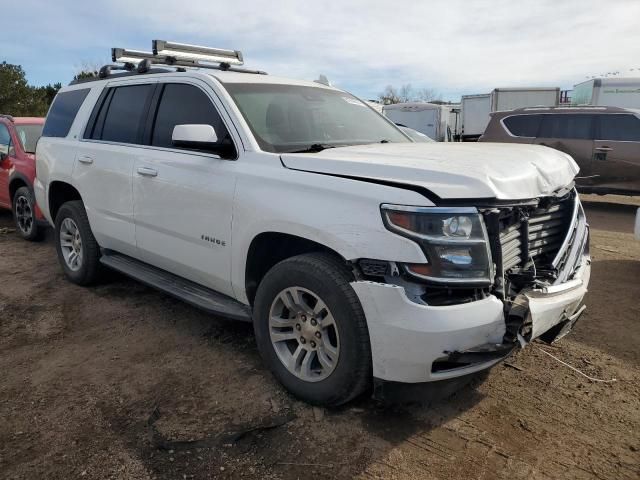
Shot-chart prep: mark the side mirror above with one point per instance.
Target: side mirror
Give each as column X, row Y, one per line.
column 202, row 137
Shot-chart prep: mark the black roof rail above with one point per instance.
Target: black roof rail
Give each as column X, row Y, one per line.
column 8, row 117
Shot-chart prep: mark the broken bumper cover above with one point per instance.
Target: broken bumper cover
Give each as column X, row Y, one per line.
column 413, row 343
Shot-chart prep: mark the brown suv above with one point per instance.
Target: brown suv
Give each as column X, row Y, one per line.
column 604, row 141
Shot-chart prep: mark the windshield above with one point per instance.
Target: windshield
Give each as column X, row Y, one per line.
column 293, row 118
column 28, row 136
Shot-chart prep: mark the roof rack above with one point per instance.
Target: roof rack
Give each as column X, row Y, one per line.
column 171, row 54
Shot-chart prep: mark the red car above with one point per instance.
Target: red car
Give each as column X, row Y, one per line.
column 18, row 138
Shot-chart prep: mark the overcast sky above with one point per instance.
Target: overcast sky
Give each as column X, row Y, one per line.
column 452, row 46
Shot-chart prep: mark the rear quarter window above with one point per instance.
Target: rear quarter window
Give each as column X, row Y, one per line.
column 63, row 112
column 523, row 125
column 619, row 127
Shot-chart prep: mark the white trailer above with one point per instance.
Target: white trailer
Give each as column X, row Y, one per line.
column 608, row 92
column 475, row 115
column 427, row 118
column 476, row 108
column 510, row 98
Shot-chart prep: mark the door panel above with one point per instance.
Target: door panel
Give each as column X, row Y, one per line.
column 183, row 208
column 103, row 172
column 616, row 161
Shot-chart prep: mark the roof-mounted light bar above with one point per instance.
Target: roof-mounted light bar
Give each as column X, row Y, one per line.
column 186, row 52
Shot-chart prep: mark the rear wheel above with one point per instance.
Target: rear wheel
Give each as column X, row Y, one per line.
column 24, row 214
column 78, row 251
column 311, row 330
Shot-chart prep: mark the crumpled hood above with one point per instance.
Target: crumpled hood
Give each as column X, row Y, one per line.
column 449, row 170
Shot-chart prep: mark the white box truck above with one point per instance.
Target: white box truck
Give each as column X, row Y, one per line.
column 475, row 116
column 476, row 108
column 608, row 92
column 427, row 118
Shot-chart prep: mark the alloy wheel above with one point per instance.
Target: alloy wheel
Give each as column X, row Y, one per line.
column 24, row 214
column 304, row 334
column 71, row 244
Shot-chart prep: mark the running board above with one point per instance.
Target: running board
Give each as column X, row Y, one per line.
column 201, row 297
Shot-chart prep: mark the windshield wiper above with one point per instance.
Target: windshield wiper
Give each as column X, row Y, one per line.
column 316, row 147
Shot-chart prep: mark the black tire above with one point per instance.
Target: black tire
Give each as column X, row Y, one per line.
column 24, row 215
column 328, row 277
column 90, row 267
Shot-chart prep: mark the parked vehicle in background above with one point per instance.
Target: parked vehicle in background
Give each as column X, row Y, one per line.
column 475, row 110
column 18, row 139
column 608, row 92
column 427, row 118
column 360, row 256
column 478, row 107
column 604, row 141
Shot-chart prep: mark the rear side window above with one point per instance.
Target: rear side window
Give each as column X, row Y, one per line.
column 184, row 104
column 127, row 107
column 523, row 125
column 619, row 127
column 567, row 126
column 63, row 112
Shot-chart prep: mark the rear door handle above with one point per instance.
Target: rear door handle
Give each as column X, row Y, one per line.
column 147, row 172
column 604, row 149
column 85, row 159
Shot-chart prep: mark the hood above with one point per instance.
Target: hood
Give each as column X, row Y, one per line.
column 450, row 170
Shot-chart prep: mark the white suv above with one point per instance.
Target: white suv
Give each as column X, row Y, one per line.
column 358, row 254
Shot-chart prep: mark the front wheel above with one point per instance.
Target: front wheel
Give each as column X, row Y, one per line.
column 24, row 214
column 311, row 330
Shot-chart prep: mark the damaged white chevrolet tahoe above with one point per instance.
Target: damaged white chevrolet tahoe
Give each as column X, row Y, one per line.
column 358, row 255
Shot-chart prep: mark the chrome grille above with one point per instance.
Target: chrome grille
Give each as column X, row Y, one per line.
column 536, row 235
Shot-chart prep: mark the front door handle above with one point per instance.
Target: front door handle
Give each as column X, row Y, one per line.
column 604, row 149
column 147, row 172
column 85, row 159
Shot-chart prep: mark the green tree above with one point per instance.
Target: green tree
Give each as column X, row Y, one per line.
column 20, row 99
column 16, row 96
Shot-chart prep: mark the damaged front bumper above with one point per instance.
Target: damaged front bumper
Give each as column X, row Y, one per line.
column 412, row 342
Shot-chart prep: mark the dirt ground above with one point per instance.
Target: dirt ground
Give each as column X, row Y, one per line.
column 120, row 381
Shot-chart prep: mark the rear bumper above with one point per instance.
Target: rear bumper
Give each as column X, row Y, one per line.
column 413, row 343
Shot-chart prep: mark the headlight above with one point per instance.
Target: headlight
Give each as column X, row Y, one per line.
column 454, row 241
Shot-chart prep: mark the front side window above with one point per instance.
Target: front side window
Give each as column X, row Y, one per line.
column 567, row 126
column 28, row 136
column 619, row 127
column 523, row 125
column 63, row 112
column 289, row 118
column 182, row 104
column 124, row 114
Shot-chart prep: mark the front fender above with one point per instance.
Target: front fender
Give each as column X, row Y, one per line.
column 341, row 214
